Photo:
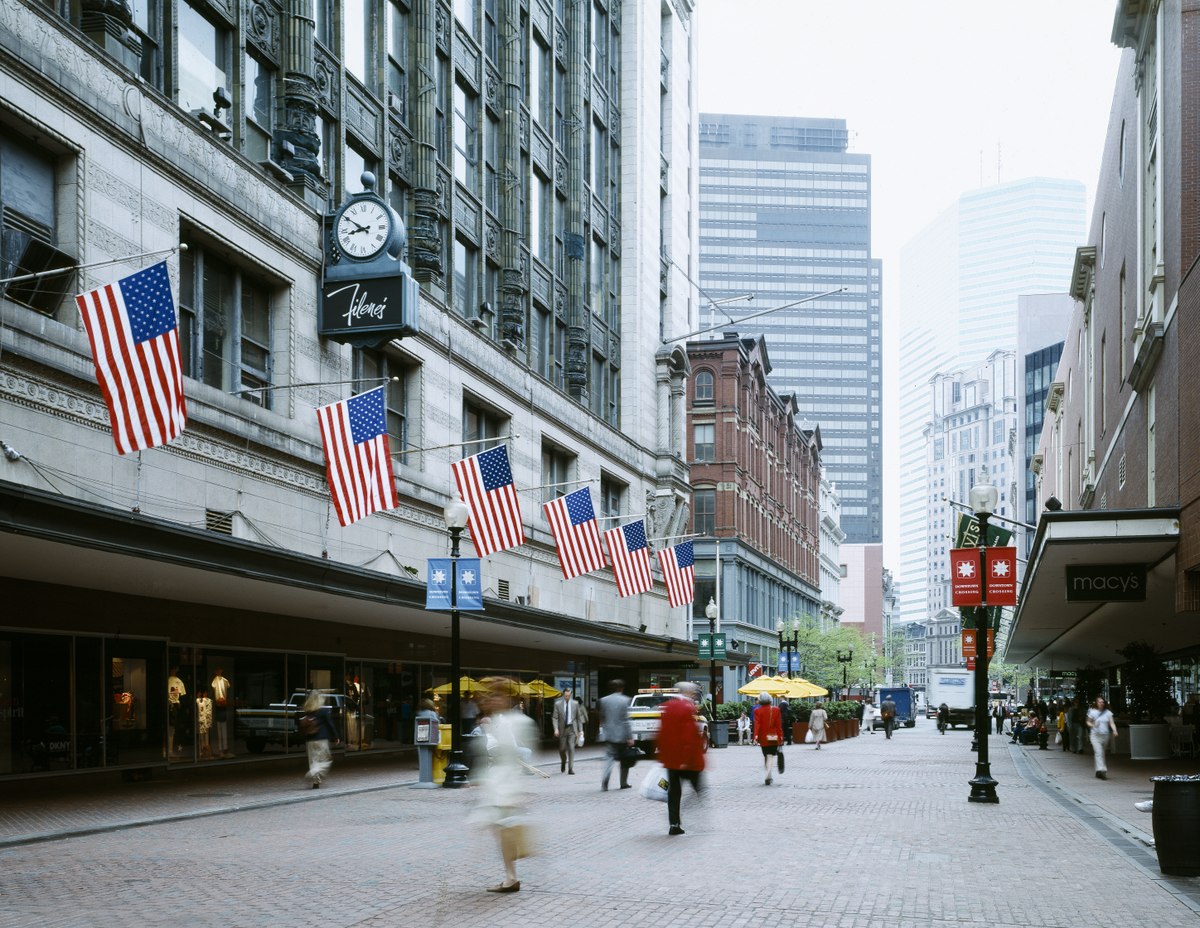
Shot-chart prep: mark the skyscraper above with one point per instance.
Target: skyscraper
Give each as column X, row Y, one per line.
column 962, row 275
column 785, row 214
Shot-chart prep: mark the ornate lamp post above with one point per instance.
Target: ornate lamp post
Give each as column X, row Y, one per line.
column 456, row 771
column 844, row 658
column 983, row 788
column 788, row 643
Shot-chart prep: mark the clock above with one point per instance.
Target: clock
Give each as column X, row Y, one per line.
column 362, row 228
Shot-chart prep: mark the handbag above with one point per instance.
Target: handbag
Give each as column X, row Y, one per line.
column 307, row 725
column 1058, row 738
column 629, row 755
column 654, row 784
column 779, row 760
column 517, row 841
column 808, row 737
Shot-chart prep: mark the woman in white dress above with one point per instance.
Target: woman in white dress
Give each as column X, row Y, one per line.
column 816, row 724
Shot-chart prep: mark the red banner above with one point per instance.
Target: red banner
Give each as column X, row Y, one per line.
column 1001, row 576
column 969, row 647
column 965, row 586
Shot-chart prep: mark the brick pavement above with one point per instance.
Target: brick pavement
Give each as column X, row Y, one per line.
column 867, row 833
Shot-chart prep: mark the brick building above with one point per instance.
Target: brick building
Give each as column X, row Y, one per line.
column 756, row 472
column 1122, row 431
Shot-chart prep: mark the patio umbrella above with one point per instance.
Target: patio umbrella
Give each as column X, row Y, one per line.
column 539, row 688
column 466, row 686
column 799, row 688
column 773, row 685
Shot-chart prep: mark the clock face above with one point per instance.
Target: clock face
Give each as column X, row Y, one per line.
column 363, row 228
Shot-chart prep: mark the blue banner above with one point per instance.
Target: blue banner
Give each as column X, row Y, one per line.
column 469, row 586
column 795, row 661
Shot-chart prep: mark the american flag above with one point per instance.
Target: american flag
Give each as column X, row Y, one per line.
column 630, row 558
column 135, row 345
column 485, row 483
column 358, row 462
column 573, row 524
column 679, row 573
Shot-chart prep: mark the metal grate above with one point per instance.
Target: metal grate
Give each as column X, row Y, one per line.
column 502, row 589
column 219, row 522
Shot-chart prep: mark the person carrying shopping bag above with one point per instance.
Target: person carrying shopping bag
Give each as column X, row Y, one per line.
column 816, row 724
column 769, row 726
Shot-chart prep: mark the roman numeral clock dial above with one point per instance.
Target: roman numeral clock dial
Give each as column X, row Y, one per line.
column 363, row 229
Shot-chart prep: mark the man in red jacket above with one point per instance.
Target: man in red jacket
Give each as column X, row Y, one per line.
column 680, row 748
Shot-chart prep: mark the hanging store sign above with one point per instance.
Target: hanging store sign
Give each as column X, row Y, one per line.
column 367, row 310
column 1106, row 583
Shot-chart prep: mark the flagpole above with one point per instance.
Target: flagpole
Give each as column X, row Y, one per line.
column 316, row 383
column 551, row 486
column 83, row 267
column 672, row 537
column 456, row 444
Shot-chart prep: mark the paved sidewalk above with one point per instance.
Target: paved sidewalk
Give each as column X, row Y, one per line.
column 866, row 833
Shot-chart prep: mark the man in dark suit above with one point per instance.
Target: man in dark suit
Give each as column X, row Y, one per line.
column 887, row 711
column 785, row 716
column 618, row 734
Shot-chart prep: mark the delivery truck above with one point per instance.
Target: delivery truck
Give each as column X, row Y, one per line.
column 955, row 688
column 902, row 696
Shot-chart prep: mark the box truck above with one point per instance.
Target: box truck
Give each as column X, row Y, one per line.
column 955, row 688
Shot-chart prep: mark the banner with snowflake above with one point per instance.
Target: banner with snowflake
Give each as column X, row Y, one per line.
column 454, row 584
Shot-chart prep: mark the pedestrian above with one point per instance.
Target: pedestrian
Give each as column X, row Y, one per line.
column 998, row 718
column 569, row 719
column 680, row 749
column 1078, row 726
column 769, row 725
column 785, row 719
column 868, row 718
column 319, row 730
column 1103, row 729
column 943, row 718
column 618, row 733
column 816, row 724
column 887, row 711
column 743, row 726
column 861, row 712
column 502, row 802
column 1064, row 729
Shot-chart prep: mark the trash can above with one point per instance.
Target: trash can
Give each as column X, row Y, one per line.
column 1176, row 816
column 719, row 730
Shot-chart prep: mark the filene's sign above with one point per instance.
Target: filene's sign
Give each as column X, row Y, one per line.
column 381, row 306
column 1102, row 583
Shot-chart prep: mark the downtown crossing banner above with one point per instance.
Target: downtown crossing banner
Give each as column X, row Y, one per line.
column 966, row 547
column 443, row 592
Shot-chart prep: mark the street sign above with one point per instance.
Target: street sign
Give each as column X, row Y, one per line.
column 711, row 647
column 965, row 586
column 754, row 670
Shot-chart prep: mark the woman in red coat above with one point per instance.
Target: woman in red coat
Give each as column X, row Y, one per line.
column 768, row 725
column 680, row 749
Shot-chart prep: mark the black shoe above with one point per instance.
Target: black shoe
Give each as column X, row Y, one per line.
column 626, row 786
column 571, row 772
column 604, row 787
column 675, row 830
column 562, row 767
column 316, row 785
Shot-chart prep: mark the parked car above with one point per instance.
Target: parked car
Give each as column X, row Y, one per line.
column 276, row 724
column 645, row 717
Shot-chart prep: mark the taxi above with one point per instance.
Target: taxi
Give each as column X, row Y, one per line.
column 645, row 716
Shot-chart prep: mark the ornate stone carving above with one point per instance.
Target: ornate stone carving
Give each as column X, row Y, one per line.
column 577, row 360
column 425, row 235
column 398, row 151
column 491, row 235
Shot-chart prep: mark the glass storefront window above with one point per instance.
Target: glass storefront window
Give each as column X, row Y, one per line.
column 138, row 699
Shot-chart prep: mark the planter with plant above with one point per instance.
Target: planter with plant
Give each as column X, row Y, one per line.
column 1148, row 695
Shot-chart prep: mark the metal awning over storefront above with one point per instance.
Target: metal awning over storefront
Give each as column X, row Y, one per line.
column 1080, row 601
column 52, row 539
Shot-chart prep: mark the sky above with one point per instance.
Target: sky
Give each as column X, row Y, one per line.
column 945, row 95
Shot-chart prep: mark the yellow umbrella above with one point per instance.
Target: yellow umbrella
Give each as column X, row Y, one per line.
column 466, row 686
column 799, row 688
column 773, row 685
column 538, row 688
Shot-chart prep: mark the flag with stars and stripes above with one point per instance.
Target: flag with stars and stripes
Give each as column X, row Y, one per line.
column 679, row 573
column 485, row 483
column 358, row 463
column 135, row 346
column 630, row 558
column 573, row 524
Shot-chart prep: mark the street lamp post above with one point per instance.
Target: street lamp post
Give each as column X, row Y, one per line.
column 711, row 611
column 456, row 771
column 983, row 788
column 845, row 658
column 788, row 645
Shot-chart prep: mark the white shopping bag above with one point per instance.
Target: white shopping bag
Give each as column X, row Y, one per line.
column 654, row 784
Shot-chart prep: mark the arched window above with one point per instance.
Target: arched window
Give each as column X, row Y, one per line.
column 704, row 387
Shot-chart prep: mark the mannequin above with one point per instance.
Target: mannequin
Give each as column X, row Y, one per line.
column 222, row 691
column 204, row 720
column 175, row 690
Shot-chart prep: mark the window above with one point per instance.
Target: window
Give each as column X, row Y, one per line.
column 556, row 471
column 397, row 64
column 204, row 60
column 356, row 33
column 491, row 157
column 611, row 493
column 28, row 227
column 539, row 217
column 441, row 104
column 703, row 436
column 259, row 104
column 354, row 163
column 704, row 387
column 598, row 288
column 467, row 13
column 539, row 85
column 560, row 354
column 466, row 279
column 466, row 138
column 543, row 349
column 482, row 426
column 491, row 35
column 599, row 149
column 599, row 50
column 323, row 22
column 372, row 368
column 147, row 27
column 560, row 107
column 704, row 512
column 224, row 325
